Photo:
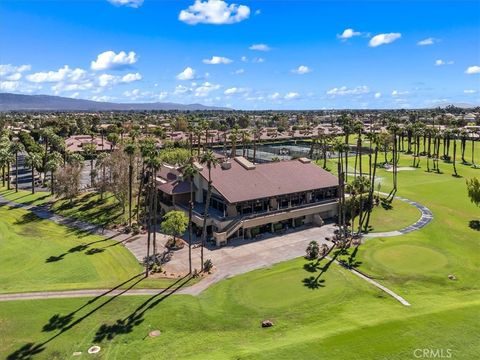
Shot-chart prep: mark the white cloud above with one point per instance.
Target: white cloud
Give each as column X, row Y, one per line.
column 349, row 91
column 216, row 12
column 399, row 93
column 291, row 95
column 205, row 89
column 244, row 58
column 382, row 39
column 469, row 91
column 180, row 89
column 129, row 3
column 258, row 12
column 348, row 33
column 9, row 86
column 128, row 78
column 378, row 95
column 260, row 47
column 12, row 72
column 473, row 70
column 441, row 62
column 235, row 90
column 217, row 60
column 239, row 71
column 111, row 60
column 427, row 41
column 302, row 69
column 137, row 94
column 61, row 74
column 274, row 96
column 105, row 80
column 187, row 74
column 103, row 98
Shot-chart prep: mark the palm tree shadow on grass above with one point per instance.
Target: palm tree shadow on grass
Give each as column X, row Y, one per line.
column 127, row 324
column 83, row 247
column 313, row 282
column 474, row 225
column 63, row 323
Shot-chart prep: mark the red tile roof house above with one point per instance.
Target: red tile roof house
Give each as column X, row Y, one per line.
column 249, row 199
column 75, row 143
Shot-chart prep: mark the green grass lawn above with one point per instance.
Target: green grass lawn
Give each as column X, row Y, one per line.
column 394, row 217
column 344, row 317
column 39, row 255
column 87, row 207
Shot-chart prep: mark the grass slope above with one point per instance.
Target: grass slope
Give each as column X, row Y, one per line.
column 39, row 255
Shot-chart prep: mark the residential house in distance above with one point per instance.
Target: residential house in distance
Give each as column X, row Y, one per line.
column 75, row 143
column 250, row 199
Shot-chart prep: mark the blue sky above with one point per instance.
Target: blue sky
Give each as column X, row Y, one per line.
column 244, row 54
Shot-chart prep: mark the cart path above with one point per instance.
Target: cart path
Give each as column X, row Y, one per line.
column 425, row 218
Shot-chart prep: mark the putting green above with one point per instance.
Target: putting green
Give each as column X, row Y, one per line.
column 410, row 258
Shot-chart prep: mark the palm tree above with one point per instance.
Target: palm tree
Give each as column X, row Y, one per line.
column 15, row 148
column 189, row 172
column 102, row 161
column 233, row 140
column 147, row 149
column 54, row 161
column 154, row 163
column 90, row 149
column 210, row 160
column 454, row 134
column 34, row 161
column 257, row 133
column 130, row 149
column 6, row 158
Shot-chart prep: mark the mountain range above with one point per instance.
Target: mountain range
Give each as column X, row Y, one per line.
column 18, row 102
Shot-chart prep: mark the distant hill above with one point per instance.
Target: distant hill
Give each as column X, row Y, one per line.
column 17, row 102
column 458, row 105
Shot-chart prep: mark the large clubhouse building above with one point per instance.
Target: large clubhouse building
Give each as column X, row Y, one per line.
column 250, row 199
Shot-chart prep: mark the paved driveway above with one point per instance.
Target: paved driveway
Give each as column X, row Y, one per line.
column 241, row 256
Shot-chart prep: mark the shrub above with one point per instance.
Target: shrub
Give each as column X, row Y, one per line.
column 312, row 250
column 208, row 265
column 135, row 229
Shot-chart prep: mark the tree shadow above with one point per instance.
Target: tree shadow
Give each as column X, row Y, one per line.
column 474, row 225
column 94, row 251
column 312, row 266
column 26, row 352
column 127, row 324
column 54, row 258
column 63, row 323
column 27, row 219
column 313, row 282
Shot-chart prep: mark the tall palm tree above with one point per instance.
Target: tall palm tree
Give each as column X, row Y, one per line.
column 233, row 140
column 103, row 160
column 6, row 158
column 210, row 160
column 15, row 148
column 54, row 161
column 147, row 149
column 189, row 172
column 454, row 135
column 34, row 161
column 257, row 133
column 90, row 149
column 130, row 149
column 154, row 163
